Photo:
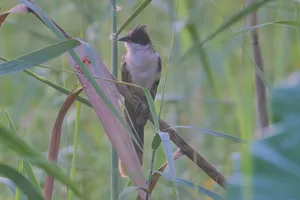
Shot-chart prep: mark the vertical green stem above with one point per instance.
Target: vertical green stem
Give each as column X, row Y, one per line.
column 150, row 173
column 18, row 195
column 298, row 20
column 114, row 156
column 75, row 143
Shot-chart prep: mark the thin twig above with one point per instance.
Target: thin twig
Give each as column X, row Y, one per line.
column 261, row 100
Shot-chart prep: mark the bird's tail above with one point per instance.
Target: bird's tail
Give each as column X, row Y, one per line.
column 139, row 135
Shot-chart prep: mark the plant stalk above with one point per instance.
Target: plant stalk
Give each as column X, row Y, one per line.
column 114, row 156
column 150, row 173
column 261, row 99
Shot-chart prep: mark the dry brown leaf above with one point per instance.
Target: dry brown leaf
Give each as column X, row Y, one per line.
column 117, row 134
column 55, row 139
column 17, row 9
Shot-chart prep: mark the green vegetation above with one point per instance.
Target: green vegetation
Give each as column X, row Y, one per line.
column 208, row 89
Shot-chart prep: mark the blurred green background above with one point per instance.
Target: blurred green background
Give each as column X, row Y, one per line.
column 214, row 86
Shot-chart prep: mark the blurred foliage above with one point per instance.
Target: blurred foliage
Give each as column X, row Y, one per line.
column 275, row 158
column 33, row 106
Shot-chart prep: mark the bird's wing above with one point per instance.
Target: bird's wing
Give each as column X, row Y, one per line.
column 153, row 89
column 126, row 77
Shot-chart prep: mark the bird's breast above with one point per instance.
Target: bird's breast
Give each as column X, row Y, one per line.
column 143, row 68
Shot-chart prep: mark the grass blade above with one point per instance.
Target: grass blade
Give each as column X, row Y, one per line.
column 37, row 57
column 44, row 18
column 289, row 23
column 156, row 141
column 235, row 18
column 155, row 176
column 19, row 180
column 202, row 54
column 10, row 184
column 26, row 165
column 16, row 9
column 222, row 135
column 168, row 151
column 17, row 145
column 57, row 87
column 135, row 13
column 152, row 109
column 191, row 185
column 31, row 175
column 19, row 193
column 127, row 190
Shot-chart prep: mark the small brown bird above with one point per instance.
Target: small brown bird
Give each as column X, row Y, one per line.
column 141, row 65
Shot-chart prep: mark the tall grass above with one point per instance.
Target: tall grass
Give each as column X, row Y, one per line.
column 114, row 61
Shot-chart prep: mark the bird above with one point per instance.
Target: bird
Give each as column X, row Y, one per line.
column 140, row 65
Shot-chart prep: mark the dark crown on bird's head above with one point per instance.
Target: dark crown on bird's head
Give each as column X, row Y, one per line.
column 138, row 35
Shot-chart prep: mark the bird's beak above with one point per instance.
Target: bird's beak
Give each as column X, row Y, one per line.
column 124, row 39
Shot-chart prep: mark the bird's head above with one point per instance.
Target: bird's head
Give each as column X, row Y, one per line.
column 137, row 39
